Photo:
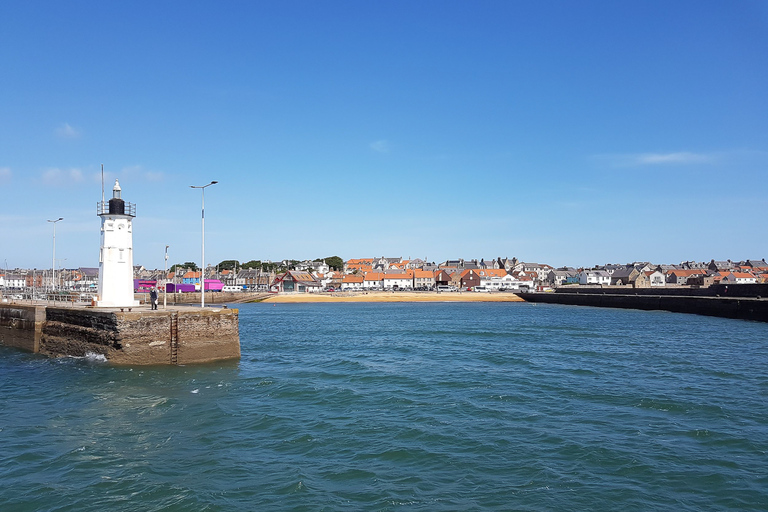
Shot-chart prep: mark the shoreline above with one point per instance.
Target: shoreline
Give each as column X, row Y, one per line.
column 393, row 297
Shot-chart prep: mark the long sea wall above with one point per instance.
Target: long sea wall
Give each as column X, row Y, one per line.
column 136, row 336
column 743, row 308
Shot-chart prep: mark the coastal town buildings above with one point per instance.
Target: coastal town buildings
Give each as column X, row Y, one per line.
column 396, row 273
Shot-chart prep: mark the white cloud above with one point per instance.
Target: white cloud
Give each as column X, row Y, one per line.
column 131, row 170
column 673, row 158
column 380, row 146
column 127, row 175
column 645, row 159
column 52, row 176
column 748, row 160
column 65, row 131
column 58, row 177
column 154, row 176
column 5, row 173
column 139, row 173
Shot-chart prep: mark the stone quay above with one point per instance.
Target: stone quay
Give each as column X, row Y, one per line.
column 125, row 336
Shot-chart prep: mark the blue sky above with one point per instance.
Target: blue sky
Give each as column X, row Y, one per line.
column 568, row 133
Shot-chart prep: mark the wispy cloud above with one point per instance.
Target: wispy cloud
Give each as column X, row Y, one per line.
column 673, row 158
column 66, row 131
column 139, row 173
column 58, row 177
column 134, row 173
column 154, row 176
column 380, row 146
column 5, row 174
column 645, row 159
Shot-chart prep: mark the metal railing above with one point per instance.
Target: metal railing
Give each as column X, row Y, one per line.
column 102, row 208
column 59, row 298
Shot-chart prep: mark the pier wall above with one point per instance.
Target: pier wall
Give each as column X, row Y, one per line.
column 21, row 326
column 124, row 337
column 717, row 290
column 194, row 297
column 744, row 308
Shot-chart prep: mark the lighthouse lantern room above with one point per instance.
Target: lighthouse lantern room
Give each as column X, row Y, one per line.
column 116, row 253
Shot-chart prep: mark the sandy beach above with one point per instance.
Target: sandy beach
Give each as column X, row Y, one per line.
column 395, row 297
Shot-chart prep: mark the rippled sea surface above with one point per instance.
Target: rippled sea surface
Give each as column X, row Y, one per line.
column 425, row 407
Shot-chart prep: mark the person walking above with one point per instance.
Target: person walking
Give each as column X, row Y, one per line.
column 153, row 297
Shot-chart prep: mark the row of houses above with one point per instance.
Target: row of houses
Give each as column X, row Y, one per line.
column 397, row 279
column 80, row 279
column 646, row 275
column 418, row 274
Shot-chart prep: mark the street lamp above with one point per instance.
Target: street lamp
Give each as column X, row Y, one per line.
column 53, row 263
column 202, row 272
column 165, row 279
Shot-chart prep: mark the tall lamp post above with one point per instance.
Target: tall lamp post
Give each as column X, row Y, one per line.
column 165, row 279
column 202, row 271
column 53, row 261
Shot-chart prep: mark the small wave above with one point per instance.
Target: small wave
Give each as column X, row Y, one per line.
column 91, row 357
column 95, row 358
column 195, row 391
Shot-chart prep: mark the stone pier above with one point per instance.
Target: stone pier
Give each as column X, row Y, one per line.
column 135, row 336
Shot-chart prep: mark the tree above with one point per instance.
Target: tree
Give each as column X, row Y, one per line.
column 228, row 265
column 255, row 264
column 190, row 265
column 334, row 262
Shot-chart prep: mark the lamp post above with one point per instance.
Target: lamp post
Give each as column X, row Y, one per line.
column 165, row 279
column 53, row 260
column 202, row 271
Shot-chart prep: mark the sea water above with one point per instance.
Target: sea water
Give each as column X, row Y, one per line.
column 428, row 407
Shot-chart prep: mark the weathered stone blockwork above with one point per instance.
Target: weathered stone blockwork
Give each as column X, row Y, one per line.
column 124, row 337
column 20, row 326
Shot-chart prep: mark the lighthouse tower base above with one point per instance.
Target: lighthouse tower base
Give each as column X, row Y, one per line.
column 116, row 253
column 111, row 304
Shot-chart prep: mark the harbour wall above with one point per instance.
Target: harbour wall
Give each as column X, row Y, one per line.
column 743, row 308
column 140, row 337
column 716, row 290
column 21, row 326
column 194, row 297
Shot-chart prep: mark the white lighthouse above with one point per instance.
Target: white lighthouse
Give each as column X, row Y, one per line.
column 116, row 254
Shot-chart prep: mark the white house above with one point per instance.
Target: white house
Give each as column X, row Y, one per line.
column 397, row 281
column 495, row 279
column 373, row 281
column 594, row 277
column 657, row 278
column 320, row 267
column 518, row 283
column 14, row 282
column 738, row 278
column 352, row 282
column 650, row 278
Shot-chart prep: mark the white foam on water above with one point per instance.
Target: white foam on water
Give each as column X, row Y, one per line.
column 96, row 358
column 195, row 391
